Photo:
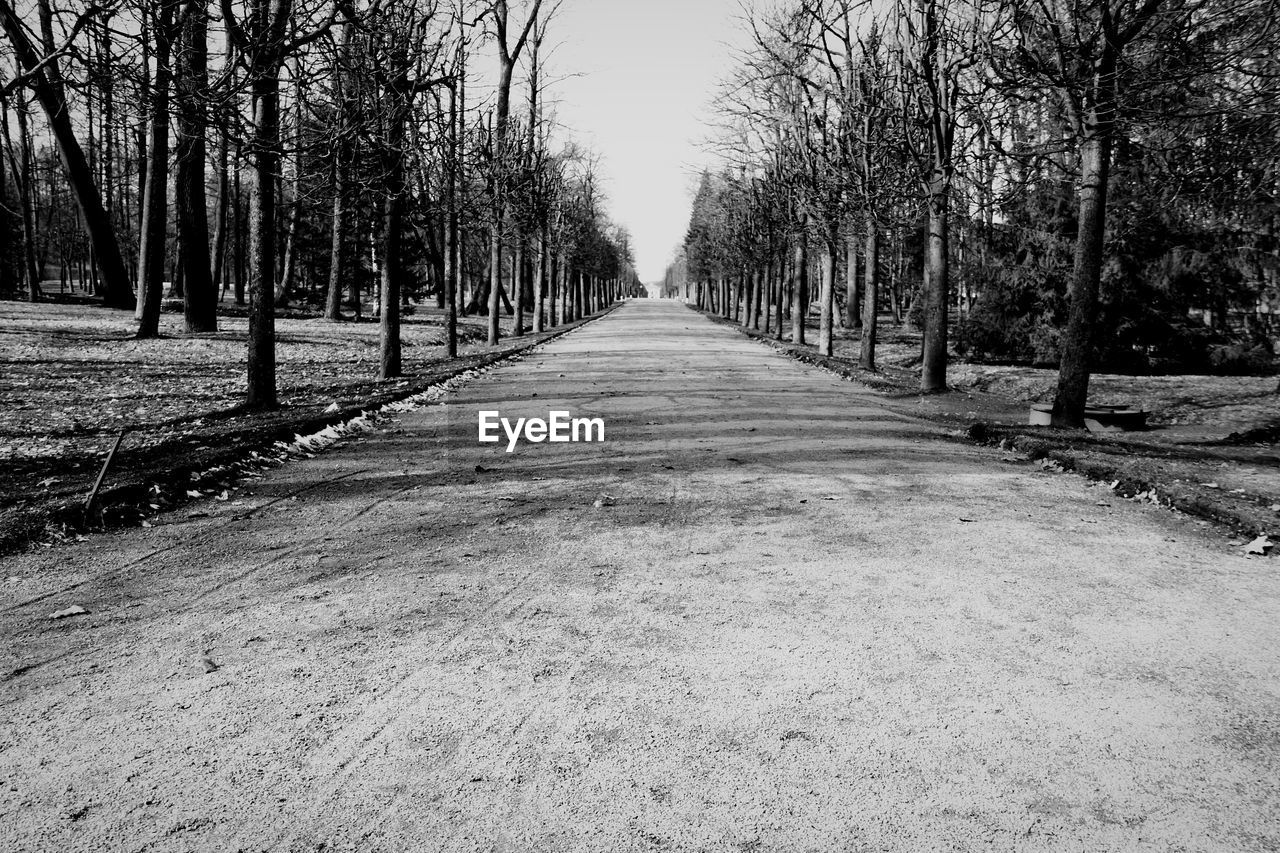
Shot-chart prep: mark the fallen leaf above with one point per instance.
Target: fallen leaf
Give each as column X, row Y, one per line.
column 73, row 610
column 333, row 407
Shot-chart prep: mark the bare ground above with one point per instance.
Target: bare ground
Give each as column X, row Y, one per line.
column 768, row 614
column 72, row 377
column 1211, row 450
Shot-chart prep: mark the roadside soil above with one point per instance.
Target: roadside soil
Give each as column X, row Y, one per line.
column 72, row 377
column 769, row 613
column 1211, row 450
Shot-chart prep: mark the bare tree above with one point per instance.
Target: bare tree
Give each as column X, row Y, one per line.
column 264, row 40
column 508, row 54
column 938, row 42
column 1097, row 59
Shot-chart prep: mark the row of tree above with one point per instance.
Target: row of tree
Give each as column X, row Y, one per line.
column 1082, row 181
column 286, row 150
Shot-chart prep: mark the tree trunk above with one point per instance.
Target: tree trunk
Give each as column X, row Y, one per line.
column 517, row 287
column 155, row 204
column 781, row 292
column 539, row 282
column 933, row 371
column 560, row 288
column 870, row 296
column 177, row 289
column 220, row 218
column 826, row 298
column 238, row 241
column 26, row 201
column 389, row 307
column 852, row 290
column 265, row 151
column 1077, row 343
column 495, row 281
column 799, row 274
column 338, row 220
column 453, row 271
column 289, row 262
column 768, row 296
column 200, row 298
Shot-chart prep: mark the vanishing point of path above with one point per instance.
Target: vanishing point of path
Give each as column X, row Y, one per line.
column 767, row 614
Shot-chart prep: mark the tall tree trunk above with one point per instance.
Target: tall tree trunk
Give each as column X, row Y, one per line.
column 453, row 243
column 799, row 279
column 870, row 295
column 781, row 294
column 1077, row 343
column 265, row 152
column 290, row 260
column 178, row 275
column 220, row 218
column 556, row 290
column 389, row 308
column 517, row 287
column 757, row 293
column 238, row 232
column 338, row 168
column 458, row 177
column 338, row 222
column 826, row 297
column 26, row 197
column 933, row 371
column 852, row 290
column 495, row 280
column 540, row 283
column 155, row 204
column 221, row 214
column 768, row 296
column 200, row 298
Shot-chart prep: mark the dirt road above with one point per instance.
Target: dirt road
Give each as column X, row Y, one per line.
column 766, row 614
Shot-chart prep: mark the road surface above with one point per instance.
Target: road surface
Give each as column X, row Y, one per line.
column 767, row 613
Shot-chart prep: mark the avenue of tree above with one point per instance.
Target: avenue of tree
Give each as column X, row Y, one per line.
column 1081, row 183
column 269, row 152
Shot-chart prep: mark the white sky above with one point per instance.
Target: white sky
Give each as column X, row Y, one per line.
column 647, row 70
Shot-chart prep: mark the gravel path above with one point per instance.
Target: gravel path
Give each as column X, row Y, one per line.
column 766, row 614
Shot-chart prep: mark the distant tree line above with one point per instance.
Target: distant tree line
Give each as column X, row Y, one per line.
column 1078, row 183
column 272, row 152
